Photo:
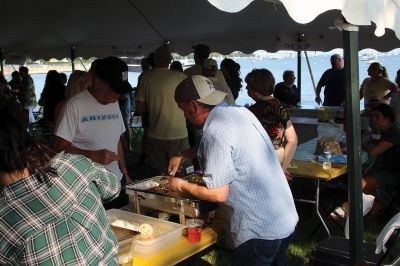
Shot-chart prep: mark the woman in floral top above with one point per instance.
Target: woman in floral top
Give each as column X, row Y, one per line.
column 272, row 115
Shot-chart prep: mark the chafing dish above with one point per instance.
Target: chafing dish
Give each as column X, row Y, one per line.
column 153, row 193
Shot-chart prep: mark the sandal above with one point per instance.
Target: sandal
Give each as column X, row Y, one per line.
column 338, row 213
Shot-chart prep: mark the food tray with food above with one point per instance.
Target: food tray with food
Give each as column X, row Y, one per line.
column 153, row 193
column 159, row 185
column 163, row 233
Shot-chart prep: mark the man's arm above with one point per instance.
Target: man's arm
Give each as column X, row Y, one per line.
column 140, row 104
column 107, row 183
column 290, row 148
column 121, row 162
column 219, row 195
column 362, row 90
column 215, row 152
column 141, row 107
column 176, row 161
column 392, row 91
column 321, row 83
column 101, row 156
column 317, row 94
column 378, row 149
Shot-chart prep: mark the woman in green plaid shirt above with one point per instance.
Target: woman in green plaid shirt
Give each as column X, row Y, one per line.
column 51, row 205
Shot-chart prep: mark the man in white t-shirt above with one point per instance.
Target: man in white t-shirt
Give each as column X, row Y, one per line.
column 91, row 122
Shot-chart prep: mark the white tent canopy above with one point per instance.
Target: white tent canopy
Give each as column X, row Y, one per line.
column 384, row 13
column 48, row 29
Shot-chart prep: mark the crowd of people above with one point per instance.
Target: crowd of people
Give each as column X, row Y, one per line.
column 382, row 112
column 187, row 114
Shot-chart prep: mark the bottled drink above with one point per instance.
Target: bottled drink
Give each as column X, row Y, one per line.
column 327, row 160
column 342, row 142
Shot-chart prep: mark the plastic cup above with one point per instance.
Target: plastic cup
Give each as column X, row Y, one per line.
column 194, row 230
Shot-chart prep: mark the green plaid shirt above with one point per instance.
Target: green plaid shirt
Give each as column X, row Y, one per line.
column 62, row 223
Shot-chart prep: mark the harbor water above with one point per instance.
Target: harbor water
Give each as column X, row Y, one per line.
column 319, row 63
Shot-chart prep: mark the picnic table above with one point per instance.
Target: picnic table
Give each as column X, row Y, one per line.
column 304, row 165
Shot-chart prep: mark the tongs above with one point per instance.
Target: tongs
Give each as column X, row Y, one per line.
column 163, row 183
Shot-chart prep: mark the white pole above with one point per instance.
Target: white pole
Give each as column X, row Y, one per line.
column 309, row 70
column 80, row 59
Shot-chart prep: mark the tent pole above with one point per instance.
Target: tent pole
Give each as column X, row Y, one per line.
column 1, row 60
column 350, row 44
column 299, row 73
column 84, row 67
column 310, row 70
column 73, row 58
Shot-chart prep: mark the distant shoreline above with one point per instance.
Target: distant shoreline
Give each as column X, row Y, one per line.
column 43, row 69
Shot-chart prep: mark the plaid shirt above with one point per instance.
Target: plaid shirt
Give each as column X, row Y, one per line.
column 62, row 222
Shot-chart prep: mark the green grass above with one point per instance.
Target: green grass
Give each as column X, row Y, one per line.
column 299, row 253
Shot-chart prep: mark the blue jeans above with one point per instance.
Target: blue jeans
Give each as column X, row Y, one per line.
column 257, row 252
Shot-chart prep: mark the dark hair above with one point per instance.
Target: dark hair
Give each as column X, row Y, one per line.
column 386, row 111
column 15, row 75
column 22, row 68
column 93, row 65
column 53, row 78
column 162, row 56
column 287, row 73
column 19, row 151
column 150, row 57
column 177, row 66
column 144, row 63
column 381, row 69
column 64, row 78
column 202, row 51
column 261, row 80
column 233, row 77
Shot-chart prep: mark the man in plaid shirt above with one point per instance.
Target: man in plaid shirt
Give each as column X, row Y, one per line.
column 51, row 210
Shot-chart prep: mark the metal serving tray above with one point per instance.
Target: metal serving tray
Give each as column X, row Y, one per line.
column 152, row 193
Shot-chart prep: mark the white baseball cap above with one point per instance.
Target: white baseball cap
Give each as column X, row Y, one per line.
column 198, row 88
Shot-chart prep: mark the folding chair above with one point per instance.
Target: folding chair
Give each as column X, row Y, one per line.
column 136, row 128
column 41, row 130
column 335, row 251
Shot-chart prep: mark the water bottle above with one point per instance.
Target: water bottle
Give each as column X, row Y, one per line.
column 343, row 142
column 327, row 160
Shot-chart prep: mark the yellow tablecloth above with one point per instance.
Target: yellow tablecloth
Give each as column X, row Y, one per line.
column 313, row 169
column 304, row 164
column 177, row 252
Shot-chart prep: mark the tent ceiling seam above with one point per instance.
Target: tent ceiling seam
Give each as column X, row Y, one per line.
column 60, row 36
column 147, row 20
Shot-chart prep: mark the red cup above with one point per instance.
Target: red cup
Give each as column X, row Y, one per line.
column 194, row 230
